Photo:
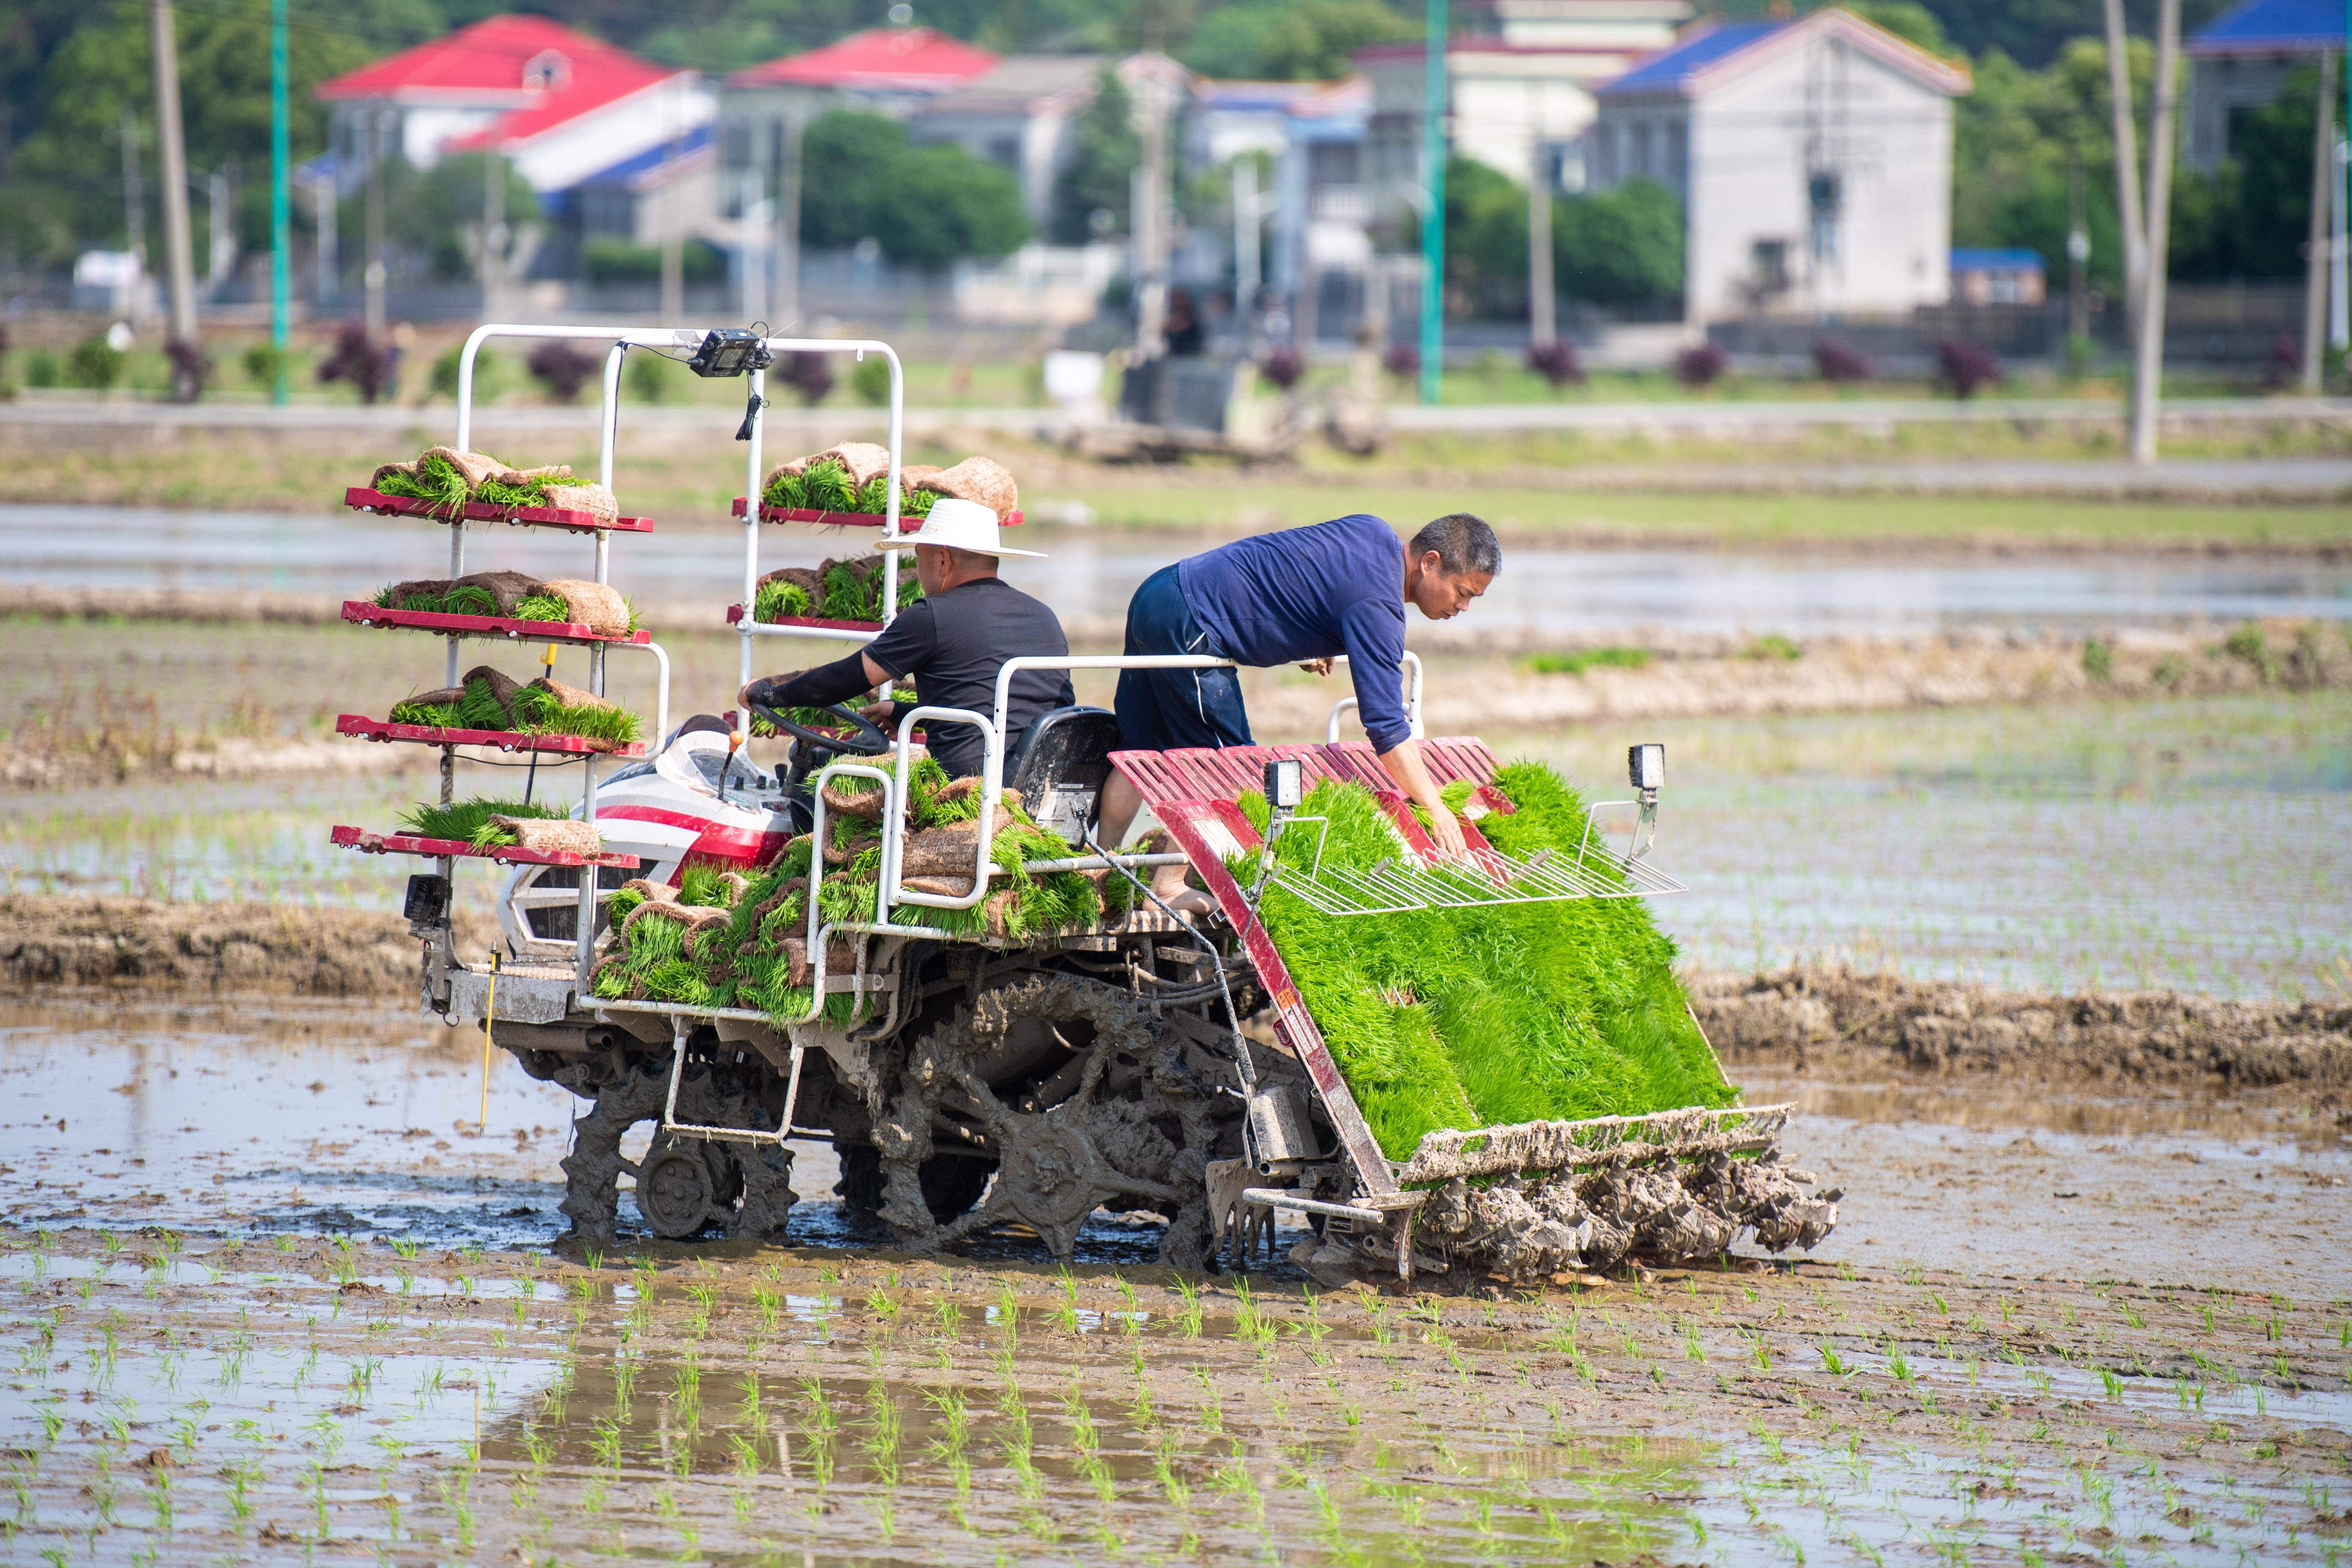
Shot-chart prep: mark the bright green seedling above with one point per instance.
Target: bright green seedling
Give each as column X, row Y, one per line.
column 1495, row 1013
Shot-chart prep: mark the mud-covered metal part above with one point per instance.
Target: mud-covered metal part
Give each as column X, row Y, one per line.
column 745, row 1188
column 1057, row 1165
column 1540, row 1199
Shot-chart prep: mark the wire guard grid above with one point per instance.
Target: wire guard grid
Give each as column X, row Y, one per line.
column 1487, row 877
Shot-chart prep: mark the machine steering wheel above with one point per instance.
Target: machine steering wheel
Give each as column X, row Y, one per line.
column 865, row 738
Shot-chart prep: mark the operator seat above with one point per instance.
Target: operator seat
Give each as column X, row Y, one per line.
column 1060, row 767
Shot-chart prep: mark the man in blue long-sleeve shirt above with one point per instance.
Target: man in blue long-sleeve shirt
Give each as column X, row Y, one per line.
column 1305, row 596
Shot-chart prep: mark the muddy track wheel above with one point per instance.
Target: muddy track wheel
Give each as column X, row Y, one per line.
column 1058, row 1167
column 677, row 1190
column 685, row 1185
column 950, row 1183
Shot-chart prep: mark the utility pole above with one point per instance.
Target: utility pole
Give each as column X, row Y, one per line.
column 134, row 197
column 280, row 221
column 2078, row 257
column 1246, row 247
column 2148, row 372
column 2339, row 254
column 1433, row 212
column 673, row 244
column 2134, row 227
column 788, row 220
column 376, row 272
column 1543, row 328
column 494, row 229
column 1149, row 220
column 324, row 191
column 2315, row 256
column 220, row 252
column 180, row 268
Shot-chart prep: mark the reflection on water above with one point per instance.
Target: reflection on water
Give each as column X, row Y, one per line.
column 1089, row 574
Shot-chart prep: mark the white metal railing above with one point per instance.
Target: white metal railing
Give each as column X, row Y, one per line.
column 1411, row 700
column 608, row 433
column 747, row 627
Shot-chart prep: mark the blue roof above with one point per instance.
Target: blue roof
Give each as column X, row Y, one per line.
column 1667, row 72
column 621, row 173
column 1980, row 260
column 2272, row 27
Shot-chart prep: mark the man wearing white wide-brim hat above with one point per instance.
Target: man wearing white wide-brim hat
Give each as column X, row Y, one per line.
column 952, row 642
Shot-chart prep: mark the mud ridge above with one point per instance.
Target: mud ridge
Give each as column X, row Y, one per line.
column 142, row 944
column 1834, row 1017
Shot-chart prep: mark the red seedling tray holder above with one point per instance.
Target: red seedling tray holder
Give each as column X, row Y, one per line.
column 366, row 500
column 372, row 615
column 368, row 729
column 368, row 843
column 842, row 519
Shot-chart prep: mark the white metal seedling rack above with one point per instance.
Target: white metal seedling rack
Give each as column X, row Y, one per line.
column 747, row 625
column 621, row 340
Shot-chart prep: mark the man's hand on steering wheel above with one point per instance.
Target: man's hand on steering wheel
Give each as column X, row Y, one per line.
column 864, row 737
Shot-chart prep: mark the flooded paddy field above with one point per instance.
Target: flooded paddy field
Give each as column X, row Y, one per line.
column 267, row 1292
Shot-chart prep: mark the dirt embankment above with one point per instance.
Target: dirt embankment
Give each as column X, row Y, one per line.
column 1839, row 1018
column 146, row 946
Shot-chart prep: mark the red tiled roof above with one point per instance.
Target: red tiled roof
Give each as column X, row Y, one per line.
column 907, row 58
column 485, row 65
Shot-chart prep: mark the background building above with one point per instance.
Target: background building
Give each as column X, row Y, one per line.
column 1813, row 159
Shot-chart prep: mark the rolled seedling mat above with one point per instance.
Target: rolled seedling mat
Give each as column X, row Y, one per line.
column 570, row 696
column 508, row 588
column 982, row 479
column 551, row 833
column 502, row 687
column 863, row 461
column 596, row 606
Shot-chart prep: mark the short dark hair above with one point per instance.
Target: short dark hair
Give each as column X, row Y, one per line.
column 1464, row 544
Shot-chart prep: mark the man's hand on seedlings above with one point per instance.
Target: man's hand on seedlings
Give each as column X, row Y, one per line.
column 1445, row 832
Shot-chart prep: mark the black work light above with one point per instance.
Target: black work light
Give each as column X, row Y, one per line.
column 729, row 351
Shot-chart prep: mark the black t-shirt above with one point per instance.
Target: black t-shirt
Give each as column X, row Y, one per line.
column 954, row 645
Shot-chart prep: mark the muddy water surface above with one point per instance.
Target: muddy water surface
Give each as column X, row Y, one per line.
column 266, row 1294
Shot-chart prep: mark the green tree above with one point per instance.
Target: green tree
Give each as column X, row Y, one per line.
column 1291, row 40
column 1105, row 154
column 1486, row 235
column 842, row 155
column 1621, row 247
column 435, row 214
column 65, row 179
column 1907, row 19
column 2250, row 217
column 939, row 203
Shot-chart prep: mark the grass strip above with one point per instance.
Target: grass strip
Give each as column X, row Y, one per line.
column 471, row 819
column 1496, row 1014
column 825, row 487
column 538, row 711
column 535, row 712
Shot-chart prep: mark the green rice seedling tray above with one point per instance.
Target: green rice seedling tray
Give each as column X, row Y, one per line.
column 840, row 518
column 366, row 613
column 367, row 728
column 361, row 498
column 735, row 616
column 368, row 843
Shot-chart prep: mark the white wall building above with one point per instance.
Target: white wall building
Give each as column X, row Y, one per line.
column 1813, row 160
column 1520, row 87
